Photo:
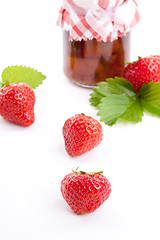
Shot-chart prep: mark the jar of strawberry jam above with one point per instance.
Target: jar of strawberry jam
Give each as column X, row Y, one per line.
column 89, row 62
column 96, row 38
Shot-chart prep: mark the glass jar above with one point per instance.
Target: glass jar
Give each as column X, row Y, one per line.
column 89, row 62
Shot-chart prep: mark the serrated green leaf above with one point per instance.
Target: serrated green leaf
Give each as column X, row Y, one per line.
column 16, row 74
column 95, row 99
column 149, row 96
column 120, row 86
column 116, row 99
column 98, row 93
column 114, row 107
column 134, row 113
column 145, row 89
column 111, row 86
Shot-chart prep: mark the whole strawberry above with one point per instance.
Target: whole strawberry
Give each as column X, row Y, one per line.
column 143, row 71
column 85, row 192
column 81, row 134
column 17, row 103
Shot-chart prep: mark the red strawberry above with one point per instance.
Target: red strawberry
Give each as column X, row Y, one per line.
column 85, row 192
column 143, row 71
column 17, row 103
column 81, row 134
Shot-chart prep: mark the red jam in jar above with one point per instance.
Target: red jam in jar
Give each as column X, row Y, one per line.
column 89, row 62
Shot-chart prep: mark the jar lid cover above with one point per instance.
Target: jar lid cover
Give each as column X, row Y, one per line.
column 103, row 20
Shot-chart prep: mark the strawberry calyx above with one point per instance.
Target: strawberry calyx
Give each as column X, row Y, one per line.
column 3, row 84
column 89, row 173
column 127, row 63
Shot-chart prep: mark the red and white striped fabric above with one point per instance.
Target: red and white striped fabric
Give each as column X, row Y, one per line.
column 103, row 20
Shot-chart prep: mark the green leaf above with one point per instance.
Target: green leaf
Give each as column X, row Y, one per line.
column 111, row 86
column 120, row 86
column 149, row 96
column 98, row 93
column 114, row 107
column 134, row 113
column 116, row 99
column 17, row 74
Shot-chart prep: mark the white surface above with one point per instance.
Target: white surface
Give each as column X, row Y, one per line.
column 33, row 160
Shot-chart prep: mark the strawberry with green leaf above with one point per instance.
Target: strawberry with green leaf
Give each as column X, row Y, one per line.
column 17, row 97
column 85, row 191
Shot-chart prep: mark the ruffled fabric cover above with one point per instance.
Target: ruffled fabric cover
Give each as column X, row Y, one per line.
column 103, row 20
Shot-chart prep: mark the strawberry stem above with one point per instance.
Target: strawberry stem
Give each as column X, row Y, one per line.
column 2, row 84
column 89, row 173
column 127, row 63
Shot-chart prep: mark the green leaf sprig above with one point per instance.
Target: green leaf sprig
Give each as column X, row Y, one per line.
column 116, row 99
column 20, row 74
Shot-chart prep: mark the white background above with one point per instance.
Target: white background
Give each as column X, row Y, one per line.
column 33, row 160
